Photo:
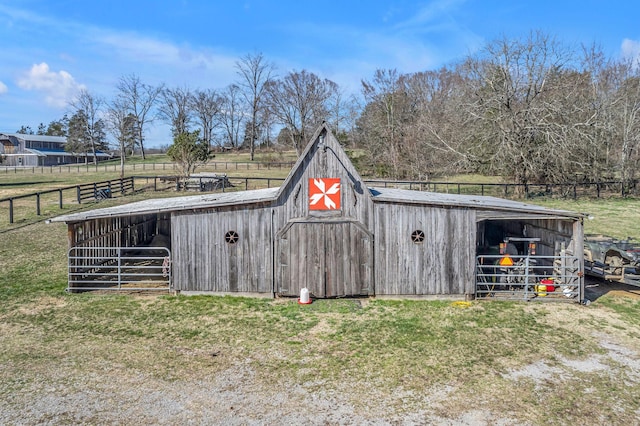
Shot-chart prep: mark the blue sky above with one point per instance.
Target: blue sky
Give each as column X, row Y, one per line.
column 51, row 49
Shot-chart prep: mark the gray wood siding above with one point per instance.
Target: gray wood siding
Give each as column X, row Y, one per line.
column 329, row 258
column 325, row 160
column 204, row 261
column 443, row 264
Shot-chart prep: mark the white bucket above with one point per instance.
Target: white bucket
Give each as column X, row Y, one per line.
column 304, row 296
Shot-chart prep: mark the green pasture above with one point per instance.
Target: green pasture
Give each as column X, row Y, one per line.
column 530, row 363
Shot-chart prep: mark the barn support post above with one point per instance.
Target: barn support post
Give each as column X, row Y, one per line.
column 119, row 268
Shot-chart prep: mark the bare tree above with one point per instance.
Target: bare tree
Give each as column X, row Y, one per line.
column 176, row 109
column 528, row 109
column 383, row 119
column 139, row 99
column 231, row 116
column 625, row 105
column 434, row 133
column 255, row 74
column 122, row 125
column 207, row 107
column 300, row 101
column 90, row 107
column 342, row 113
column 267, row 121
column 516, row 112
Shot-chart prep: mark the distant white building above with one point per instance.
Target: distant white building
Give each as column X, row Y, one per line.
column 17, row 149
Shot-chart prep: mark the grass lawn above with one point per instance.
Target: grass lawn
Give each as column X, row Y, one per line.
column 159, row 359
column 616, row 217
column 105, row 358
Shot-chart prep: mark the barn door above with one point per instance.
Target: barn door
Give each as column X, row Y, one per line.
column 330, row 259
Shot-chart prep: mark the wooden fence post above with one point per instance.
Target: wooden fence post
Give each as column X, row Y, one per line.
column 10, row 210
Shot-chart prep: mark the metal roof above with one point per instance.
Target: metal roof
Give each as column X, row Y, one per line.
column 62, row 153
column 39, row 138
column 392, row 195
column 381, row 195
column 160, row 205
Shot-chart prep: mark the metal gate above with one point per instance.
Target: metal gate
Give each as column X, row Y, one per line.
column 528, row 277
column 119, row 268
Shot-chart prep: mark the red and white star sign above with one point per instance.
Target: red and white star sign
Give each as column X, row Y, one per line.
column 324, row 194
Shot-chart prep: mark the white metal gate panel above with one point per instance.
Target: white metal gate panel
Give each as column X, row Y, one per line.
column 528, row 277
column 119, row 268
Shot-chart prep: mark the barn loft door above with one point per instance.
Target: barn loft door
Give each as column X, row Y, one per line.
column 331, row 259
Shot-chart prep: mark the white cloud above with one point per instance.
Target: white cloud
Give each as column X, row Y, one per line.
column 3, row 88
column 438, row 13
column 631, row 49
column 137, row 49
column 58, row 87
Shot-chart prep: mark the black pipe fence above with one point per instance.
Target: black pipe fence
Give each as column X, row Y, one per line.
column 573, row 190
column 504, row 190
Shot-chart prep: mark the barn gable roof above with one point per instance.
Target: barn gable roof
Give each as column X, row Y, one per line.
column 322, row 138
column 322, row 141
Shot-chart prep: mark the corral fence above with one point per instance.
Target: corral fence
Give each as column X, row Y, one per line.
column 511, row 190
column 24, row 208
column 504, row 190
column 143, row 167
column 21, row 208
column 211, row 183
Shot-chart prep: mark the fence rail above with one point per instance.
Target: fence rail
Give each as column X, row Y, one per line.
column 137, row 167
column 50, row 202
column 53, row 200
column 513, row 190
column 505, row 190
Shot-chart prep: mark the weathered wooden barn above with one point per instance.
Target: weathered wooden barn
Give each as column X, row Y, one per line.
column 325, row 230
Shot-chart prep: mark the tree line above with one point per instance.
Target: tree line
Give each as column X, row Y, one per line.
column 530, row 109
